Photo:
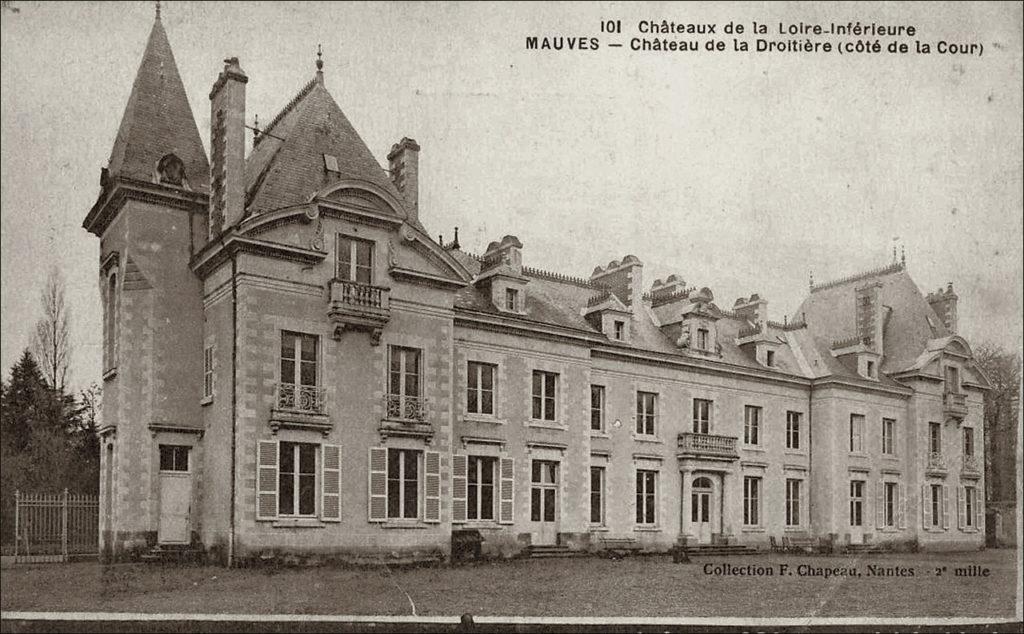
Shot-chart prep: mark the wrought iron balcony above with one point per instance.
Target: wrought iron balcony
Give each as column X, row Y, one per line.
column 707, row 446
column 306, row 399
column 405, row 408
column 936, row 462
column 971, row 465
column 359, row 306
column 954, row 404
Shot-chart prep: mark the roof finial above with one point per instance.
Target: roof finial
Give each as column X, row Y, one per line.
column 894, row 254
column 903, row 256
column 455, row 243
column 810, row 281
column 319, row 64
column 255, row 130
column 157, row 10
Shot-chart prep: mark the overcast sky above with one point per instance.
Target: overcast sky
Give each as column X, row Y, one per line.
column 741, row 172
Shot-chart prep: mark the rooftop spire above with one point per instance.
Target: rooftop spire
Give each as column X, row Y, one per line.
column 319, row 64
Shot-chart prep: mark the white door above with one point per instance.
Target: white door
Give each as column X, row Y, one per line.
column 700, row 509
column 544, row 502
column 175, row 495
column 857, row 515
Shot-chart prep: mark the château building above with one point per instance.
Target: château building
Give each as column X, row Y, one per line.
column 294, row 366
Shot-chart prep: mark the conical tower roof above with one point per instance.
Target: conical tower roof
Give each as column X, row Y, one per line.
column 158, row 120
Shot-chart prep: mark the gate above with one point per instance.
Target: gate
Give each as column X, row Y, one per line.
column 55, row 526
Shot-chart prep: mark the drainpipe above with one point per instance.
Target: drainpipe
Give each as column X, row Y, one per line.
column 810, row 456
column 234, row 399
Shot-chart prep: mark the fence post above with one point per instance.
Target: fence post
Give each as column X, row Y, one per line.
column 17, row 523
column 64, row 526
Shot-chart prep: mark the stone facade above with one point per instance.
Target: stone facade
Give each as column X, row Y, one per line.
column 312, row 375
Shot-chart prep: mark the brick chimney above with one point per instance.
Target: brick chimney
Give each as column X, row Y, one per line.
column 624, row 279
column 869, row 316
column 754, row 309
column 943, row 302
column 227, row 141
column 404, row 164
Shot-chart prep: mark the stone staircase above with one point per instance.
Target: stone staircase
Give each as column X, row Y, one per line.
column 174, row 554
column 553, row 552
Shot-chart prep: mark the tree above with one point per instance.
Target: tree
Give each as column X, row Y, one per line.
column 1002, row 404
column 52, row 343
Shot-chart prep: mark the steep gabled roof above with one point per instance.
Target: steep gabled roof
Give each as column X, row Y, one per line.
column 830, row 313
column 287, row 165
column 158, row 120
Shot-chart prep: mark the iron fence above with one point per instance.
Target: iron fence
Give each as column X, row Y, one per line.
column 54, row 526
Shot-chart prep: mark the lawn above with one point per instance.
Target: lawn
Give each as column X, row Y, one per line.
column 592, row 587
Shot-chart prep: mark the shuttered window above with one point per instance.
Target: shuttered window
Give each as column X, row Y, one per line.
column 460, row 468
column 297, row 479
column 266, row 480
column 330, row 488
column 480, row 488
column 403, row 483
column 507, row 503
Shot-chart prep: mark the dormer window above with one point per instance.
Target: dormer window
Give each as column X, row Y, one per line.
column 702, row 339
column 355, row 260
column 620, row 330
column 512, row 300
column 952, row 379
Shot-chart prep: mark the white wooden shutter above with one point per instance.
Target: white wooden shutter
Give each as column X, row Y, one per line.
column 266, row 480
column 961, row 512
column 505, row 513
column 377, row 480
column 901, row 506
column 880, row 504
column 926, row 506
column 979, row 512
column 330, row 479
column 945, row 506
column 459, row 482
column 432, row 487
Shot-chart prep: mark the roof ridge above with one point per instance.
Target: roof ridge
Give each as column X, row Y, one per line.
column 882, row 270
column 284, row 111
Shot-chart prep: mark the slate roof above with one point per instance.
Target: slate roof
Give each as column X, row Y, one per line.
column 158, row 120
column 285, row 171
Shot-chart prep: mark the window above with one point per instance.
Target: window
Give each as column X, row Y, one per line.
column 480, row 488
column 891, row 502
column 480, row 388
column 174, row 457
column 646, row 412
column 871, row 369
column 355, row 260
column 751, row 501
column 543, row 490
column 769, row 358
column 403, row 484
column 935, row 502
column 545, row 386
column 856, row 502
column 856, row 433
column 701, row 416
column 752, row 425
column 404, row 372
column 935, row 438
column 793, row 430
column 646, row 498
column 792, row 502
column 208, row 372
column 297, row 479
column 298, row 359
column 969, row 442
column 702, row 338
column 970, row 506
column 110, row 321
column 888, row 436
column 597, row 495
column 597, row 408
column 512, row 299
column 620, row 330
column 952, row 379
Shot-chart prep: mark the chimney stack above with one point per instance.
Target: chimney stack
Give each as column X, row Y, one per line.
column 943, row 302
column 753, row 309
column 624, row 279
column 227, row 141
column 404, row 164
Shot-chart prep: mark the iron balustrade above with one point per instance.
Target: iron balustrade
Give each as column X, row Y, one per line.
column 405, row 408
column 936, row 461
column 308, row 399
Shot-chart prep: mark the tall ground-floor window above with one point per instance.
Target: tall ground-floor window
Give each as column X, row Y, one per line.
column 646, row 496
column 297, row 479
column 480, row 488
column 751, row 501
column 970, row 506
column 597, row 495
column 891, row 502
column 403, row 483
column 856, row 503
column 792, row 502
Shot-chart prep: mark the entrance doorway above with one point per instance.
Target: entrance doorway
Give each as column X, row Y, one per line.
column 175, row 495
column 701, row 503
column 544, row 502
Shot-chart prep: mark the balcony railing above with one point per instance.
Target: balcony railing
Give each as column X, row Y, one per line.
column 305, row 399
column 405, row 408
column 709, row 445
column 359, row 306
column 936, row 461
column 971, row 464
column 955, row 404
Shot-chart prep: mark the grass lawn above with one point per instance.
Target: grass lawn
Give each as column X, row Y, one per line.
column 632, row 587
